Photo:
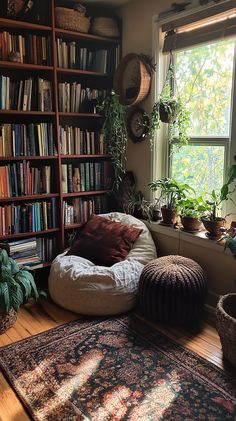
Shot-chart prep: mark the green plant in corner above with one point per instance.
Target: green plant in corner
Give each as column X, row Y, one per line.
column 16, row 284
column 115, row 132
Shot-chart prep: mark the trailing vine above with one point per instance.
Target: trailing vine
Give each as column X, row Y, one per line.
column 115, row 133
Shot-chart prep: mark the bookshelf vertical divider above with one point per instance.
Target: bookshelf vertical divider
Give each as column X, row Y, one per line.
column 91, row 197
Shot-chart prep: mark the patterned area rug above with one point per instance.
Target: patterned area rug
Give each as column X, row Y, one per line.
column 115, row 369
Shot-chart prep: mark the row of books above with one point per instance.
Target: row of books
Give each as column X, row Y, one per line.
column 86, row 176
column 70, row 55
column 79, row 210
column 32, row 251
column 74, row 99
column 25, row 95
column 27, row 48
column 20, row 179
column 28, row 217
column 74, row 141
column 27, row 140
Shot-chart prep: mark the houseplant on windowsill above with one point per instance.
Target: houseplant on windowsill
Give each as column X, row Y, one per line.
column 171, row 194
column 16, row 287
column 191, row 209
column 211, row 221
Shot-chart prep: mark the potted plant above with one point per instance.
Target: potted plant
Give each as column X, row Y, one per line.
column 170, row 109
column 211, row 221
column 171, row 193
column 135, row 204
column 115, row 132
column 191, row 209
column 16, row 287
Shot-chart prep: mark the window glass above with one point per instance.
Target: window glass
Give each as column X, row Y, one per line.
column 204, row 78
column 201, row 166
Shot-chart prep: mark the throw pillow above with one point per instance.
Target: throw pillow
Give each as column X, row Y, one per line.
column 104, row 242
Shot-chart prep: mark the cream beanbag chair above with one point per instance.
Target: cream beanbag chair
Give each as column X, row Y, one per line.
column 78, row 285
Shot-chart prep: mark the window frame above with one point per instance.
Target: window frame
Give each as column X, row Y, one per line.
column 161, row 159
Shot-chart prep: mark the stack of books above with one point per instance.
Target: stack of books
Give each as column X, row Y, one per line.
column 70, row 55
column 33, row 250
column 27, row 140
column 28, row 217
column 25, row 95
column 87, row 176
column 79, row 210
column 74, row 99
column 20, row 179
column 74, row 141
column 30, row 48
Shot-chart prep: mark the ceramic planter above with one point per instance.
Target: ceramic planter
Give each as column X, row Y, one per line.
column 213, row 227
column 191, row 224
column 169, row 216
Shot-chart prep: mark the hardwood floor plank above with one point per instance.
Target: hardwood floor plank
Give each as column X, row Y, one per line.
column 11, row 408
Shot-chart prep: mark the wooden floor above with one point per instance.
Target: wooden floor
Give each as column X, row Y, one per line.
column 33, row 319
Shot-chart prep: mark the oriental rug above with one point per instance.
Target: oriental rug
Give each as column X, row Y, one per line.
column 115, row 369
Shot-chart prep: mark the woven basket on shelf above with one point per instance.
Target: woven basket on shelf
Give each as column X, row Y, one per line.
column 106, row 27
column 8, row 320
column 71, row 19
column 226, row 325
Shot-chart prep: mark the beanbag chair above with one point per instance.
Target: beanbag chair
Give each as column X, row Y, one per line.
column 77, row 284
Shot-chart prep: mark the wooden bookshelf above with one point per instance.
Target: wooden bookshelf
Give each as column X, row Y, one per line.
column 87, row 121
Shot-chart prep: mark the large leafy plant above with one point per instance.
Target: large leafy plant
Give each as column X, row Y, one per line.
column 115, row 132
column 193, row 207
column 16, row 284
column 171, row 191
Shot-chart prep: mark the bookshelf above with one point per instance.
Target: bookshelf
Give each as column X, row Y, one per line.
column 48, row 119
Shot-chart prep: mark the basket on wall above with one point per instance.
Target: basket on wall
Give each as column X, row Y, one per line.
column 226, row 326
column 72, row 19
column 106, row 27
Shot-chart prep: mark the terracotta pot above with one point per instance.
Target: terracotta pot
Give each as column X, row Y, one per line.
column 213, row 227
column 169, row 216
column 191, row 224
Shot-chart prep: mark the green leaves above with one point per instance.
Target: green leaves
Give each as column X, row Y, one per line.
column 230, row 242
column 171, row 192
column 115, row 132
column 16, row 284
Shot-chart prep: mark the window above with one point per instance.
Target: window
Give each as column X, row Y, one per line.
column 204, row 76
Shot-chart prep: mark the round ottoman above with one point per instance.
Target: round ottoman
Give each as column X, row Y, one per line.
column 172, row 289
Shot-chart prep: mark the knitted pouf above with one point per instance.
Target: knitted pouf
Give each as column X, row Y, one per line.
column 172, row 289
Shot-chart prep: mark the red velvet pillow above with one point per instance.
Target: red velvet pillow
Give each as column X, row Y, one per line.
column 104, row 242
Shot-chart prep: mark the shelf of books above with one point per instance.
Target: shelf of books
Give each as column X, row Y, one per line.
column 54, row 167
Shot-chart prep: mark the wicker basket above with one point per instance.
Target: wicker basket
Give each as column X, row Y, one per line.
column 71, row 19
column 106, row 27
column 7, row 321
column 226, row 325
column 144, row 76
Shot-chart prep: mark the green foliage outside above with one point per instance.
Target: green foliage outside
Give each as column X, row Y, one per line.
column 204, row 78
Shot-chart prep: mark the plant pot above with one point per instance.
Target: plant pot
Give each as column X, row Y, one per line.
column 226, row 325
column 168, row 111
column 191, row 224
column 7, row 320
column 213, row 227
column 169, row 216
column 156, row 215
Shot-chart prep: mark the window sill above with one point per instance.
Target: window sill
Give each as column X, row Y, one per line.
column 198, row 238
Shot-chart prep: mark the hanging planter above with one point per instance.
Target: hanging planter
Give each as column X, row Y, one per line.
column 170, row 109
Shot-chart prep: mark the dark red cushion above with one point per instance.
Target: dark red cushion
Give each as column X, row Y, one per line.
column 104, row 242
